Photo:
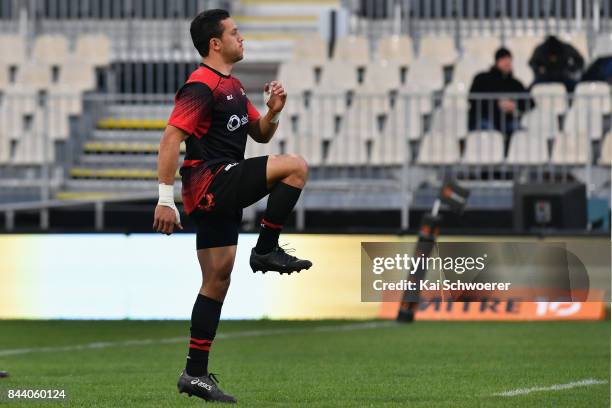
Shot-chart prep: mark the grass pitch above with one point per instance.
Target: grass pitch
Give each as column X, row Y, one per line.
column 312, row 363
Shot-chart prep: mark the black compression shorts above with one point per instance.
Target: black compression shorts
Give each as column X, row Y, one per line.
column 234, row 187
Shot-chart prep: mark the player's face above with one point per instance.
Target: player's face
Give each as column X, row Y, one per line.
column 231, row 41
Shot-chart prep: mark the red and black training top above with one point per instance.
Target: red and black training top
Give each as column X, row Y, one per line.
column 214, row 110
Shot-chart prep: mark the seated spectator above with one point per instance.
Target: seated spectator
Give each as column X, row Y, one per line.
column 556, row 61
column 498, row 113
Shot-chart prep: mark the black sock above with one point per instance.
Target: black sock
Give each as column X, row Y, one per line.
column 281, row 201
column 204, row 322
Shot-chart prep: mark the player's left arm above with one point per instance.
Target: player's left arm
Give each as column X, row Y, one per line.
column 262, row 129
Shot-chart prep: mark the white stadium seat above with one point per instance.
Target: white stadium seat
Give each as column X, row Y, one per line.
column 484, row 147
column 311, row 48
column 527, row 149
column 426, row 74
column 571, row 149
column 605, row 159
column 541, row 122
column 438, row 48
column 451, row 121
column 467, row 68
column 522, row 46
column 382, row 76
column 338, row 76
column 438, row 149
column 51, row 49
column 550, row 97
column 353, row 50
column 480, row 48
column 94, row 49
column 396, row 48
column 592, row 101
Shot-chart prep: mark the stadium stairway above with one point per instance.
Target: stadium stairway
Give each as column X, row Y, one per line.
column 271, row 27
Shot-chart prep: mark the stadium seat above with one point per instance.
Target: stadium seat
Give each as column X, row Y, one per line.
column 17, row 111
column 451, row 120
column 550, row 97
column 76, row 77
column 541, row 122
column 406, row 117
column 427, row 74
column 33, row 75
column 308, row 143
column 467, row 68
column 382, row 76
column 296, row 76
column 50, row 49
column 389, row 150
column 605, row 159
column 603, row 46
column 438, row 48
column 578, row 40
column 254, row 149
column 353, row 50
column 527, row 148
column 360, row 124
column 34, row 146
column 480, row 48
column 522, row 71
column 438, row 149
column 5, row 146
column 592, row 101
column 310, row 48
column 396, row 48
column 94, row 49
column 12, row 49
column 522, row 46
column 484, row 147
column 571, row 149
column 456, row 95
column 337, row 77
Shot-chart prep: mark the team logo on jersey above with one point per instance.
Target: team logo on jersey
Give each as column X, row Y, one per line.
column 230, row 97
column 236, row 121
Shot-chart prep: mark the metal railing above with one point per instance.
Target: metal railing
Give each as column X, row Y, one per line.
column 466, row 18
column 355, row 143
column 111, row 9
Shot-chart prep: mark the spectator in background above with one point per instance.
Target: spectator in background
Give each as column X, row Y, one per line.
column 556, row 61
column 498, row 113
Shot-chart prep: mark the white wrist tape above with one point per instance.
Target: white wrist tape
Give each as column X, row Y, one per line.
column 166, row 198
column 267, row 96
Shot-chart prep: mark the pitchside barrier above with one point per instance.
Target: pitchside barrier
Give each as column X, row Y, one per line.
column 50, row 276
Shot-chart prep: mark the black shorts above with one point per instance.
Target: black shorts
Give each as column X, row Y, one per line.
column 234, row 187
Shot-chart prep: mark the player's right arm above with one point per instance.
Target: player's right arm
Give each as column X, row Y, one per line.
column 192, row 107
column 166, row 213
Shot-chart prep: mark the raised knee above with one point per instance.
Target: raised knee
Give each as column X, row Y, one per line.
column 301, row 167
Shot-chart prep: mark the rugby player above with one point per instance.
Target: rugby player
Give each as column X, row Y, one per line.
column 213, row 116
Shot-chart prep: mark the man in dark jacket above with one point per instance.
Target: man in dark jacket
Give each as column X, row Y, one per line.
column 556, row 61
column 498, row 113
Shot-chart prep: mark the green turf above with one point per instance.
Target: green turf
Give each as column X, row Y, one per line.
column 428, row 364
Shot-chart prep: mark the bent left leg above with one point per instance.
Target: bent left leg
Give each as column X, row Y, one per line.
column 286, row 175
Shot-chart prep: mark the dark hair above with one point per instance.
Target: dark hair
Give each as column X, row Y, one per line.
column 502, row 53
column 205, row 26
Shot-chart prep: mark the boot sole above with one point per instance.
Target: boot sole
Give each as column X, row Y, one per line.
column 257, row 268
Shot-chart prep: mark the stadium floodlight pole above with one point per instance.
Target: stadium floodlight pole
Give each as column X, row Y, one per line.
column 455, row 197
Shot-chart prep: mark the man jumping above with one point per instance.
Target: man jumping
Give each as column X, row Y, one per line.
column 213, row 115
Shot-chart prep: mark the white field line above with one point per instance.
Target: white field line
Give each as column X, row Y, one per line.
column 555, row 387
column 173, row 340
